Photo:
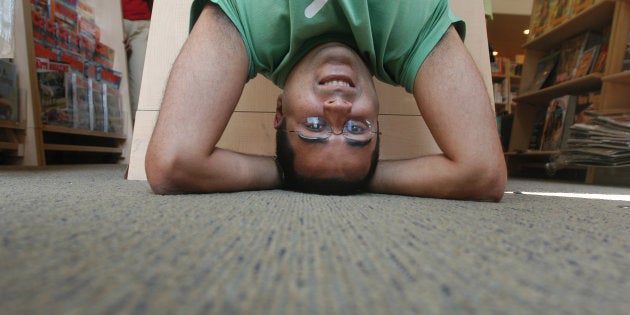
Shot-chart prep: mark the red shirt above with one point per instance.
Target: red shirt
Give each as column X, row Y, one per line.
column 136, row 10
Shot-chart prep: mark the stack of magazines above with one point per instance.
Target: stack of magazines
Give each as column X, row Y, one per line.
column 604, row 140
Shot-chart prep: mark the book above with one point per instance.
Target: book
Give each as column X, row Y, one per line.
column 78, row 99
column 626, row 58
column 7, row 29
column 537, row 129
column 53, row 101
column 499, row 90
column 585, row 103
column 556, row 123
column 9, row 109
column 585, row 62
column 112, row 107
column 96, row 107
column 580, row 5
column 574, row 49
column 569, row 54
column 497, row 67
column 64, row 12
column 560, row 11
column 544, row 71
column 85, row 10
column 599, row 66
column 540, row 19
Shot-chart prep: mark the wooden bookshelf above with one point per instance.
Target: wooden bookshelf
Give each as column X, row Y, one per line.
column 508, row 81
column 613, row 84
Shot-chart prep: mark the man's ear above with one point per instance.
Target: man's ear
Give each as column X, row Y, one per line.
column 278, row 119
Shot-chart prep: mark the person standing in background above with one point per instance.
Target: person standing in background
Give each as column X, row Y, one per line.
column 136, row 23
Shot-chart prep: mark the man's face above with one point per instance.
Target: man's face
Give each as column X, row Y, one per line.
column 331, row 82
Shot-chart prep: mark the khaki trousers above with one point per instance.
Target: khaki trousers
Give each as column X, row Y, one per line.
column 137, row 33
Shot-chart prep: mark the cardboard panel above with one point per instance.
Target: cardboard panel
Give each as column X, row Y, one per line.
column 251, row 133
column 405, row 136
column 142, row 135
column 169, row 30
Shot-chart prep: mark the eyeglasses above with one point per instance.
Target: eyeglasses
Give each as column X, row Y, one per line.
column 318, row 129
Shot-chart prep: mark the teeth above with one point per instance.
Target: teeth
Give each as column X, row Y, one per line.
column 338, row 83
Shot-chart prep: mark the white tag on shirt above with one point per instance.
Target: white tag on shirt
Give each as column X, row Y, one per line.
column 314, row 8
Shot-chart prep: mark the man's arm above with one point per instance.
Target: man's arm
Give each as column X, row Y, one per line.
column 452, row 98
column 204, row 87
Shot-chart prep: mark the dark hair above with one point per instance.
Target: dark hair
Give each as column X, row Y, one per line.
column 291, row 180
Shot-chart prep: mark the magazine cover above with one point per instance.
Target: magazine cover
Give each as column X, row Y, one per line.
column 7, row 29
column 537, row 129
column 569, row 54
column 55, row 108
column 586, row 103
column 580, row 5
column 599, row 66
column 544, row 70
column 85, row 10
column 64, row 12
column 540, row 18
column 80, row 100
column 112, row 101
column 9, row 109
column 561, row 12
column 97, row 112
column 586, row 61
column 554, row 123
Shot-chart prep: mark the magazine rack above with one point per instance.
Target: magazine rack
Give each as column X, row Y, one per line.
column 256, row 109
column 31, row 141
column 613, row 83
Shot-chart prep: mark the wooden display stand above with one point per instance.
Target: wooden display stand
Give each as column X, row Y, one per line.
column 32, row 140
column 507, row 80
column 614, row 84
column 251, row 129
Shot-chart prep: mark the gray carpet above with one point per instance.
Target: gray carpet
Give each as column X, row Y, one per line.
column 81, row 240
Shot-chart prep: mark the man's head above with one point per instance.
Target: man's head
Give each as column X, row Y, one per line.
column 330, row 89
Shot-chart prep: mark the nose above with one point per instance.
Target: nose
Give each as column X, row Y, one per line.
column 337, row 105
column 336, row 110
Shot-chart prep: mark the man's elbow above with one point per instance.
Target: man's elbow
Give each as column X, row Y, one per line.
column 161, row 174
column 490, row 183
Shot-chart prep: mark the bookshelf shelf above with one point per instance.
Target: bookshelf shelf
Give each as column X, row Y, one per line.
column 532, row 153
column 12, row 124
column 595, row 17
column 589, row 82
column 621, row 77
column 74, row 131
column 9, row 146
column 608, row 90
column 82, row 148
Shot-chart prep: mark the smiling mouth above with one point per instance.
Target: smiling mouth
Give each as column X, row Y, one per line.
column 337, row 81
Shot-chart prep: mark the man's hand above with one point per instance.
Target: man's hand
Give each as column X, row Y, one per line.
column 455, row 105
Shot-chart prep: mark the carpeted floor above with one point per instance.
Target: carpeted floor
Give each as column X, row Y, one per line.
column 81, row 240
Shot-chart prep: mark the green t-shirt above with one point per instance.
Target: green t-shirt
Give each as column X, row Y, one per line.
column 393, row 37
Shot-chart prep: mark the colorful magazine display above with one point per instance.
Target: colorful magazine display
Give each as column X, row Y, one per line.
column 9, row 110
column 65, row 32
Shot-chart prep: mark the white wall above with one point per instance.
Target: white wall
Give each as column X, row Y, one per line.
column 518, row 7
